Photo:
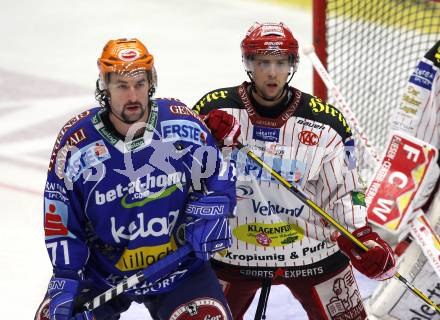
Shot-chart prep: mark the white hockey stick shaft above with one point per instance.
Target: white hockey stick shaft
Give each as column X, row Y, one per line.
column 354, row 123
column 154, row 272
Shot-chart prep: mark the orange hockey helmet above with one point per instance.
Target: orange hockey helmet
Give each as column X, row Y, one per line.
column 121, row 56
column 124, row 55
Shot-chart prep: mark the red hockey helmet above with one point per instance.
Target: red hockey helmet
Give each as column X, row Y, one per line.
column 269, row 39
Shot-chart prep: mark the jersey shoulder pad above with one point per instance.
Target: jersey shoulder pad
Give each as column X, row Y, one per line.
column 178, row 122
column 218, row 99
column 318, row 110
column 72, row 133
column 434, row 54
column 165, row 101
column 175, row 109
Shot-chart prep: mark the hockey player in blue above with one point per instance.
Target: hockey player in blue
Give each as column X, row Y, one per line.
column 128, row 183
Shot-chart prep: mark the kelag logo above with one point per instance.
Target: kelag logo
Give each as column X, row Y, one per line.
column 143, row 227
column 266, row 134
column 182, row 130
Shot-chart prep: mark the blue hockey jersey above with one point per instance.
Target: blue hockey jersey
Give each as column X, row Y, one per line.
column 114, row 205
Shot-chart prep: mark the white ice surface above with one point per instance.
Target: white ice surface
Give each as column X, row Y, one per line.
column 47, row 74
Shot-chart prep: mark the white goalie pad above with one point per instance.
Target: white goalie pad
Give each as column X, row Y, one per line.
column 426, row 238
column 392, row 301
column 402, row 183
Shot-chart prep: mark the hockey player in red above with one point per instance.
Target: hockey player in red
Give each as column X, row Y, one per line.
column 276, row 238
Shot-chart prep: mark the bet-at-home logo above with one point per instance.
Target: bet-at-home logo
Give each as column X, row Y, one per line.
column 138, row 193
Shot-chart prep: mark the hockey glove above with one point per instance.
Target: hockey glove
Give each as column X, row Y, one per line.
column 62, row 293
column 224, row 127
column 207, row 227
column 378, row 262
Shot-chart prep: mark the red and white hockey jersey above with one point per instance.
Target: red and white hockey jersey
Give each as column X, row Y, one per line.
column 310, row 144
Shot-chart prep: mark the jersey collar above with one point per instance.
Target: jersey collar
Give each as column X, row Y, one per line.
column 123, row 145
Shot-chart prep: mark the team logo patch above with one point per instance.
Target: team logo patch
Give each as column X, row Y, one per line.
column 308, row 138
column 86, row 158
column 55, row 219
column 128, row 55
column 266, row 134
column 200, row 309
column 183, row 130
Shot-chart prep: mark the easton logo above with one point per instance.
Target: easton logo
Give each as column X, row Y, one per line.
column 308, row 138
column 205, row 210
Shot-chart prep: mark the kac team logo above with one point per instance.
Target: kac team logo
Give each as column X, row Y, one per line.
column 308, row 138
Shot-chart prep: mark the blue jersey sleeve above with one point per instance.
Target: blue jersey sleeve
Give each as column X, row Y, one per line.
column 219, row 175
column 210, row 173
column 63, row 216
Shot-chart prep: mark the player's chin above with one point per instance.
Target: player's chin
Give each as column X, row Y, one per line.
column 133, row 114
column 272, row 93
column 272, row 87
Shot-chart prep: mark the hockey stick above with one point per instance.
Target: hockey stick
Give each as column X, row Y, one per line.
column 305, row 199
column 309, row 51
column 152, row 274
